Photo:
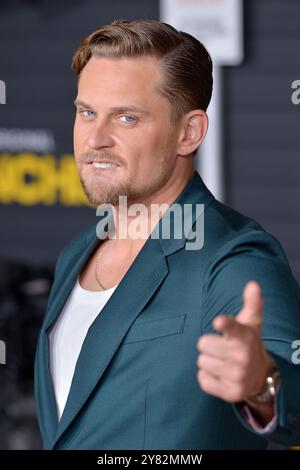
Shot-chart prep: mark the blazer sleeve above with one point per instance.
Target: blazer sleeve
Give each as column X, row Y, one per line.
column 257, row 255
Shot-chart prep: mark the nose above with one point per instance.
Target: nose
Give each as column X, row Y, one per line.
column 100, row 137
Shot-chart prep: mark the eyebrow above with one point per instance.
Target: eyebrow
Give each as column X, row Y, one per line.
column 115, row 109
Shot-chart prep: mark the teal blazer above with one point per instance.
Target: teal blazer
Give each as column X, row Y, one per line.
column 135, row 384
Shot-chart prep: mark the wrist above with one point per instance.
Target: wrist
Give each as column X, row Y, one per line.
column 267, row 394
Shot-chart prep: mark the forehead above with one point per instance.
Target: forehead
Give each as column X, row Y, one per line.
column 123, row 79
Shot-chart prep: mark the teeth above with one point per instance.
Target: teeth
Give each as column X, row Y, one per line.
column 104, row 165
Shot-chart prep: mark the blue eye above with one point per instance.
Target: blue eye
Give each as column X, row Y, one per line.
column 129, row 119
column 85, row 113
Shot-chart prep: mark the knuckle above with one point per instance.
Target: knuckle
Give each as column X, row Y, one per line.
column 199, row 343
column 204, row 380
column 202, row 343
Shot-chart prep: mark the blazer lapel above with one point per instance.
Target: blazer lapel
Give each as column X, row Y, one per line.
column 46, row 403
column 139, row 284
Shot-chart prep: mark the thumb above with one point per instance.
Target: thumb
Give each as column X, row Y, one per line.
column 252, row 311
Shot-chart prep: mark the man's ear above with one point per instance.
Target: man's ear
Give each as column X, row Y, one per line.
column 193, row 130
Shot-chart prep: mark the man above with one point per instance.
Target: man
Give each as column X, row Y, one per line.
column 150, row 342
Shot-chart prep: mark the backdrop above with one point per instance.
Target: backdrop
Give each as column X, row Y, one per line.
column 42, row 205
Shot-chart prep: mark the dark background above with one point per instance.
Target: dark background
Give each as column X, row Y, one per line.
column 261, row 153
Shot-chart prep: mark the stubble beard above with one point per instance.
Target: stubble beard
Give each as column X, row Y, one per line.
column 109, row 193
column 104, row 194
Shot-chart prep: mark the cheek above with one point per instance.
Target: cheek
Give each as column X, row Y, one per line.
column 162, row 148
column 79, row 136
column 163, row 137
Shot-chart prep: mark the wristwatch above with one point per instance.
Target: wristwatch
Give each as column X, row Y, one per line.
column 268, row 393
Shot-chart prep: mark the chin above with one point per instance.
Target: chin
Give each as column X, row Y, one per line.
column 105, row 194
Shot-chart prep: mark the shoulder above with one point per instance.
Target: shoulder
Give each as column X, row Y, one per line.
column 240, row 250
column 231, row 233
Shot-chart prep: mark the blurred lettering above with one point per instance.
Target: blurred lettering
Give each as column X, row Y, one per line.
column 28, row 179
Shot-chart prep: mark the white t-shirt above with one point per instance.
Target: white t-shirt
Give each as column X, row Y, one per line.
column 67, row 335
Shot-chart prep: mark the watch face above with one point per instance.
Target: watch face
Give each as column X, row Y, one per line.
column 269, row 392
